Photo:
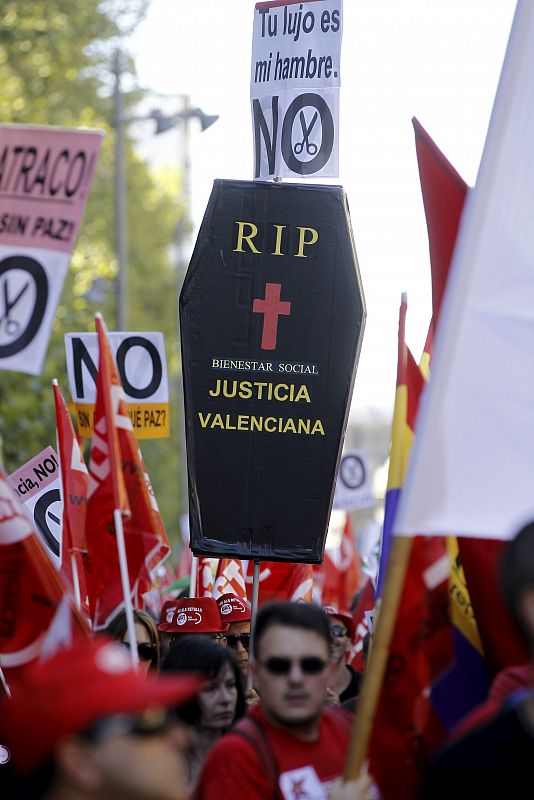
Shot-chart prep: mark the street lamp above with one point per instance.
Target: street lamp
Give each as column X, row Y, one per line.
column 164, row 122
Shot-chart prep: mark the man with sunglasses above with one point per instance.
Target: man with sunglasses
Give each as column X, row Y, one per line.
column 345, row 682
column 236, row 612
column 85, row 725
column 291, row 745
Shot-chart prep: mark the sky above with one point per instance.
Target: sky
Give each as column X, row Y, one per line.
column 438, row 61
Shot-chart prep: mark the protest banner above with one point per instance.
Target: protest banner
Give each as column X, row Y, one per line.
column 354, row 487
column 45, row 176
column 38, row 486
column 294, row 88
column 142, row 366
column 272, row 316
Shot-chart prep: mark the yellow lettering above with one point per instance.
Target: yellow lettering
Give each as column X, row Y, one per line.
column 215, row 392
column 267, row 428
column 242, row 422
column 245, row 390
column 242, row 237
column 217, row 422
column 277, row 391
column 204, row 419
column 303, row 394
column 318, row 427
column 278, row 242
column 303, row 241
column 289, row 426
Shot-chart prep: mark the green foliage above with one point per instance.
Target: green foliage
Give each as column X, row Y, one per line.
column 56, row 61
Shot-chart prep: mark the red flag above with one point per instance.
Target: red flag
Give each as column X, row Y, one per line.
column 230, row 579
column 281, row 581
column 337, row 579
column 366, row 603
column 118, row 481
column 204, row 586
column 444, row 194
column 31, row 590
column 74, row 483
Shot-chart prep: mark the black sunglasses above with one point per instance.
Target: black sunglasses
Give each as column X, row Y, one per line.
column 337, row 631
column 309, row 665
column 151, row 722
column 145, row 650
column 233, row 638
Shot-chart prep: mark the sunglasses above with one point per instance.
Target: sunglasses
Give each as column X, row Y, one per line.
column 338, row 631
column 145, row 650
column 151, row 722
column 309, row 665
column 233, row 638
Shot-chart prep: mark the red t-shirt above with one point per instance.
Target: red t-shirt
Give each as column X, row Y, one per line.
column 233, row 769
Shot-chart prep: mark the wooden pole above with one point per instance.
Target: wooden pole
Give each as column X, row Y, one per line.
column 125, row 580
column 373, row 678
column 253, row 615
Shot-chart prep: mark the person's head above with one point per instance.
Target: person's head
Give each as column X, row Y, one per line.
column 193, row 615
column 221, row 700
column 146, row 634
column 85, row 724
column 292, row 664
column 341, row 632
column 517, row 581
column 236, row 612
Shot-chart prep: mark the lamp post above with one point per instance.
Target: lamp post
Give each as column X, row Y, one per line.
column 164, row 122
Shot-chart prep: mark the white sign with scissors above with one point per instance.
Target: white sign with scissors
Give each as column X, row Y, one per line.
column 294, row 88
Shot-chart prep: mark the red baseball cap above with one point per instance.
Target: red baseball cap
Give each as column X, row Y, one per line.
column 67, row 693
column 346, row 616
column 233, row 609
column 192, row 615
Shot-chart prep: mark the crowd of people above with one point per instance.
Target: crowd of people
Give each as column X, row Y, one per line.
column 86, row 724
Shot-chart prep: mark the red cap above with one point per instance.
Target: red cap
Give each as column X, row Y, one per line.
column 68, row 692
column 192, row 615
column 233, row 609
column 343, row 615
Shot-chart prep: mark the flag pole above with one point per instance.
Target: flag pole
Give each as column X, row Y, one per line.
column 253, row 615
column 193, row 578
column 75, row 581
column 5, row 686
column 125, row 580
column 375, row 670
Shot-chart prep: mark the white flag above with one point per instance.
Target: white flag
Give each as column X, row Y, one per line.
column 472, row 464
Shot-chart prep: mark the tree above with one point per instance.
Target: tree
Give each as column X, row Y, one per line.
column 55, row 69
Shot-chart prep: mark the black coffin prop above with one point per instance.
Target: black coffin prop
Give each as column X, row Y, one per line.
column 272, row 315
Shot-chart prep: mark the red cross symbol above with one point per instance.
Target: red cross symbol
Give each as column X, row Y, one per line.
column 271, row 307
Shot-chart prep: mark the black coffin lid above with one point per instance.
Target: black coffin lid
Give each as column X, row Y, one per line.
column 262, row 451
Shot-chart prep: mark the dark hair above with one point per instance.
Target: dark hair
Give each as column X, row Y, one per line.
column 291, row 615
column 118, row 627
column 517, row 573
column 196, row 653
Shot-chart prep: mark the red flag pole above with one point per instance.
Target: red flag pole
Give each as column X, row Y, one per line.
column 253, row 615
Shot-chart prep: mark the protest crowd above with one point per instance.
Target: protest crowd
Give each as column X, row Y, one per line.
column 263, row 656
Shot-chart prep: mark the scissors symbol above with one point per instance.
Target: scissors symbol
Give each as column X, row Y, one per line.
column 11, row 326
column 311, row 148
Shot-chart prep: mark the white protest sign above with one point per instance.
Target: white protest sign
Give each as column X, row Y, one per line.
column 45, row 175
column 353, row 485
column 142, row 368
column 38, row 485
column 294, row 88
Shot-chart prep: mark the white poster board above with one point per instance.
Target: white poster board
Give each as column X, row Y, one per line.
column 294, row 88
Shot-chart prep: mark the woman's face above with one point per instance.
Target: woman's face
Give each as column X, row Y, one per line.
column 218, row 700
column 143, row 637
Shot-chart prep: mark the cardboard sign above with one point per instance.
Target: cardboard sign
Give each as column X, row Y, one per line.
column 272, row 315
column 294, row 88
column 38, row 485
column 353, row 485
column 142, row 368
column 45, row 175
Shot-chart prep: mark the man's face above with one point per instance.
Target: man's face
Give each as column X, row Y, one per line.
column 292, row 698
column 143, row 767
column 241, row 653
column 340, row 642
